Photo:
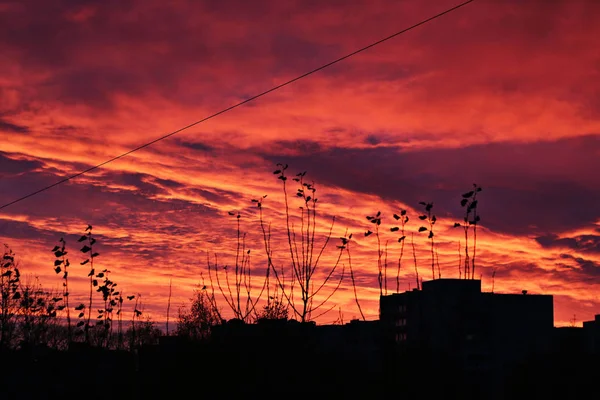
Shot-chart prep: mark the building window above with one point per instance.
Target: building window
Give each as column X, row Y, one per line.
column 401, row 322
column 402, row 308
column 400, row 337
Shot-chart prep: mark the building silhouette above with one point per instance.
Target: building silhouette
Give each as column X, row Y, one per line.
column 452, row 322
column 463, row 342
column 592, row 335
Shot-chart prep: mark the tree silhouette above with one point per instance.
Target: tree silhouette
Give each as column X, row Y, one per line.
column 9, row 290
column 36, row 312
column 275, row 309
column 196, row 322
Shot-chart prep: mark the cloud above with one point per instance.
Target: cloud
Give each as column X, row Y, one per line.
column 589, row 270
column 581, row 243
column 16, row 165
column 10, row 127
column 21, row 230
column 196, row 146
column 523, row 183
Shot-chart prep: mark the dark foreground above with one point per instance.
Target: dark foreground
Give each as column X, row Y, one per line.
column 177, row 370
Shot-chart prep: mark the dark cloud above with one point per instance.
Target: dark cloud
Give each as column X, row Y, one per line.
column 373, row 140
column 293, row 148
column 168, row 183
column 10, row 127
column 584, row 243
column 336, row 129
column 141, row 52
column 91, row 200
column 588, row 269
column 20, row 230
column 142, row 182
column 222, row 197
column 527, row 188
column 568, row 269
column 196, row 146
column 11, row 166
column 96, row 86
column 306, row 53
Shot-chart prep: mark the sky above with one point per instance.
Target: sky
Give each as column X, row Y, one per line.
column 502, row 93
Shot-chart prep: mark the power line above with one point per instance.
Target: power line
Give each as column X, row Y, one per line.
column 237, row 105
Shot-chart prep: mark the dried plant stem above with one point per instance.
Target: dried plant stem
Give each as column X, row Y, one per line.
column 238, row 291
column 353, row 281
column 169, row 305
column 385, row 264
column 467, row 262
column 412, row 242
column 475, row 221
column 304, row 257
column 459, row 261
column 379, row 262
column 399, row 264
column 437, row 261
column 403, row 220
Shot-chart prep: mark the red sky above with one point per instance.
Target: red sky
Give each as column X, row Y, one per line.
column 501, row 93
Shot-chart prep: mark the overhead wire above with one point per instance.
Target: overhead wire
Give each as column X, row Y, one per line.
column 68, row 178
